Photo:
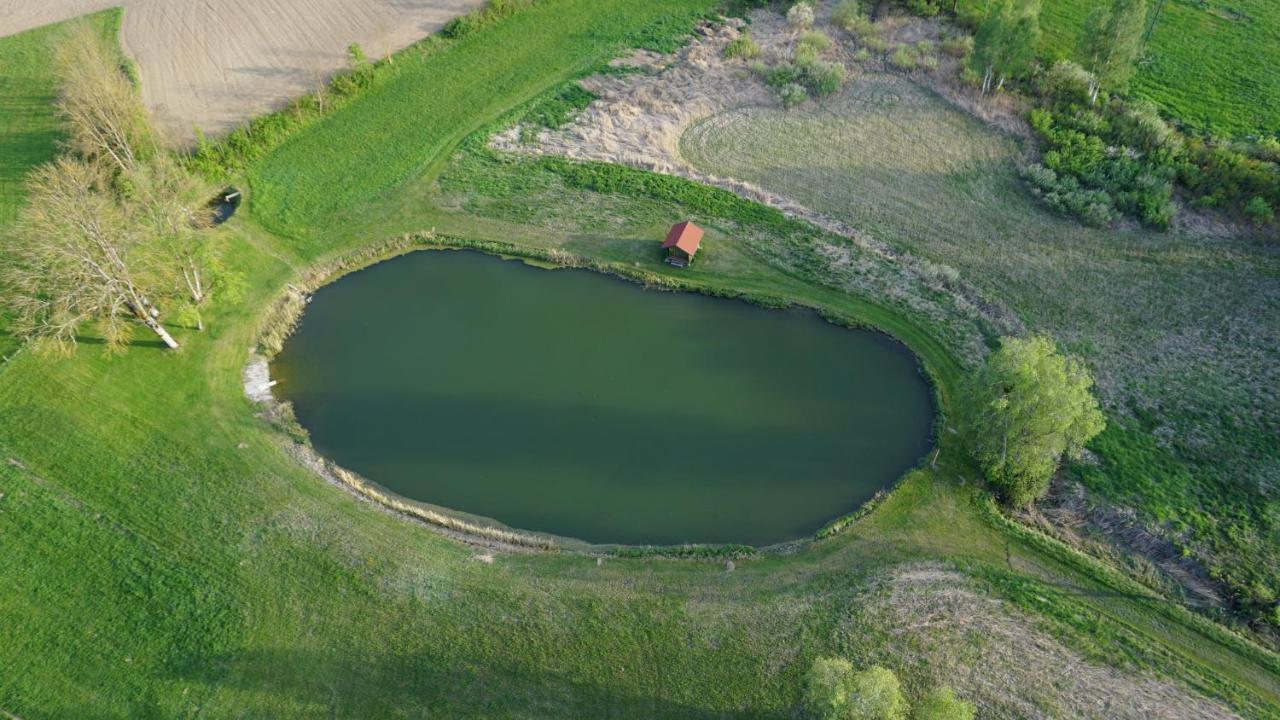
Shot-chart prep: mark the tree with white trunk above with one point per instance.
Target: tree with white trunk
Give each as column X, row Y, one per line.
column 75, row 261
column 1005, row 43
column 1111, row 45
column 169, row 208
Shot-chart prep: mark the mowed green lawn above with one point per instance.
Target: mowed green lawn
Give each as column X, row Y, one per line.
column 1210, row 63
column 162, row 556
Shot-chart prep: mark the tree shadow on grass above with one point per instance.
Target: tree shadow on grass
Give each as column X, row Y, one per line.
column 362, row 685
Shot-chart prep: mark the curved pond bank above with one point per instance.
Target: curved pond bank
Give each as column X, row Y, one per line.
column 577, row 404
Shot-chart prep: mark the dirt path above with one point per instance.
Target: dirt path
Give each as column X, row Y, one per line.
column 213, row 64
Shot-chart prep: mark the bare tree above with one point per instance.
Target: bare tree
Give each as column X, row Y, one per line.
column 99, row 104
column 75, row 261
column 170, row 211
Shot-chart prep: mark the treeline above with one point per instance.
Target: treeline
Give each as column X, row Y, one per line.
column 115, row 233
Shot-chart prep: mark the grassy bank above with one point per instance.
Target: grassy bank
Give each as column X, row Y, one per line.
column 163, row 557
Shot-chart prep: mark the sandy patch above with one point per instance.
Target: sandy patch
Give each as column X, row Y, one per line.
column 213, row 65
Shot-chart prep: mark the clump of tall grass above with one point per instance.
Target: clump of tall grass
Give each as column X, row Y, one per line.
column 958, row 46
column 717, row 552
column 814, row 41
column 800, row 15
column 743, row 47
column 846, row 13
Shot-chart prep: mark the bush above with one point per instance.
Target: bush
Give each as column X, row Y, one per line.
column 792, row 94
column 822, row 78
column 1064, row 195
column 846, row 13
column 903, row 58
column 815, row 40
column 1139, row 125
column 492, row 11
column 861, row 28
column 924, row 8
column 800, row 15
column 1066, row 83
column 779, row 75
column 958, row 46
column 743, row 47
column 804, row 55
column 1259, row 211
column 942, row 704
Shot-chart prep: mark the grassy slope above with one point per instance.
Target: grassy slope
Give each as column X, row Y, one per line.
column 417, row 124
column 163, row 557
column 922, row 176
column 28, row 127
column 1206, row 65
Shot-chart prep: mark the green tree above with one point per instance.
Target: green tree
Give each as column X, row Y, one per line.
column 833, row 691
column 1005, row 44
column 826, row 688
column 942, row 704
column 1111, row 44
column 1027, row 408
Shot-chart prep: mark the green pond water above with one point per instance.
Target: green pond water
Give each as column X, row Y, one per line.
column 577, row 404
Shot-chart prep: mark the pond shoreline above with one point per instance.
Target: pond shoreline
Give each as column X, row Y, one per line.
column 282, row 318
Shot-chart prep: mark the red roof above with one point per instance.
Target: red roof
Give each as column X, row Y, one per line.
column 685, row 236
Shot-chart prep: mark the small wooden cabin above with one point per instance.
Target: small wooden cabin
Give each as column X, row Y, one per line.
column 682, row 243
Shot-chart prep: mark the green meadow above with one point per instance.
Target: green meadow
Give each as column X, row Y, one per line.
column 164, row 554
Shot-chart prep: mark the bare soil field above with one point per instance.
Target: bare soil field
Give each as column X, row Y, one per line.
column 213, row 65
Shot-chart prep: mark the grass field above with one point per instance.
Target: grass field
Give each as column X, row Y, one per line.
column 1209, row 63
column 163, row 556
column 1180, row 331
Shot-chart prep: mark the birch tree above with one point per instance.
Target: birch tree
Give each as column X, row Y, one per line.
column 103, row 116
column 1024, row 411
column 74, row 262
column 1111, row 44
column 1005, row 43
column 169, row 209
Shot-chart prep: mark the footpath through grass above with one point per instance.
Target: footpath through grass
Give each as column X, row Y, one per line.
column 1209, row 63
column 162, row 556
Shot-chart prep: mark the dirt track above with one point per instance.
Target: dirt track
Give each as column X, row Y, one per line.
column 215, row 63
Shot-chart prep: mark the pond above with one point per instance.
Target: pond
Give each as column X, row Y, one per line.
column 573, row 403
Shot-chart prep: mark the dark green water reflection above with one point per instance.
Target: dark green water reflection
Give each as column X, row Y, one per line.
column 577, row 404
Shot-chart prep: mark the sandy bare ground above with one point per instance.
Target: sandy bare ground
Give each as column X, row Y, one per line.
column 213, row 64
